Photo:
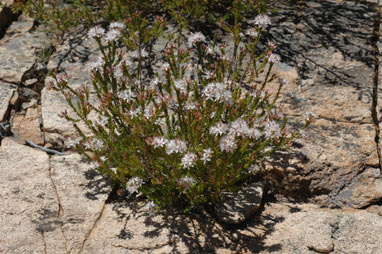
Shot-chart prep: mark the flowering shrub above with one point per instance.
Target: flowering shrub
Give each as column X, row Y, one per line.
column 194, row 129
column 62, row 16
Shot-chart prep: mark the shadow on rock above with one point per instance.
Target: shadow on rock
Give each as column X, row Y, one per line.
column 198, row 232
column 310, row 32
column 96, row 184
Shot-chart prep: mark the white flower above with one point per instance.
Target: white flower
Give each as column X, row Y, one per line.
column 98, row 144
column 180, row 85
column 262, row 20
column 103, row 121
column 207, row 154
column 252, row 32
column 208, row 75
column 159, row 121
column 144, row 53
column 94, row 164
column 127, row 62
column 228, row 143
column 118, row 71
column 273, row 58
column 112, row 35
column 73, row 143
column 276, row 113
column 114, row 170
column 210, row 51
column 159, row 142
column 150, row 206
column 217, row 92
column 88, row 145
column 254, row 133
column 239, row 128
column 166, row 66
column 283, row 82
column 133, row 184
column 175, row 146
column 63, row 77
column 253, row 169
column 149, row 112
column 271, row 45
column 303, row 134
column 127, row 95
column 103, row 158
column 115, row 25
column 140, row 53
column 262, row 95
column 196, row 38
column 155, row 81
column 134, row 113
column 97, row 64
column 96, row 32
column 310, row 116
column 188, row 160
column 272, row 129
column 189, row 105
column 186, row 182
column 219, row 129
column 54, row 83
column 224, row 58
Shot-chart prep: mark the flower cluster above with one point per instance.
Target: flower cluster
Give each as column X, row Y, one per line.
column 175, row 146
column 133, row 184
column 96, row 32
column 217, row 92
column 238, row 128
column 186, row 182
column 196, row 38
column 188, row 160
column 113, row 34
column 262, row 21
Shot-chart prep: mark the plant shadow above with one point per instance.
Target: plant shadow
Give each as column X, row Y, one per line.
column 199, row 232
column 327, row 41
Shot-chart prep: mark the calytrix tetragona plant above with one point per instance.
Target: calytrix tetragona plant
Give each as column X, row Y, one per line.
column 194, row 129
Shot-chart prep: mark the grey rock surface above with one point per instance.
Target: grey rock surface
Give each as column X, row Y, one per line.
column 82, row 193
column 6, row 93
column 326, row 45
column 48, row 205
column 309, row 229
column 131, row 229
column 73, row 58
column 27, row 127
column 239, row 206
column 19, row 49
column 28, row 204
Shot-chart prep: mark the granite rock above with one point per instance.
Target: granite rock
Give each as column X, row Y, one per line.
column 50, row 205
column 309, row 229
column 237, row 207
column 28, row 203
column 82, row 194
column 281, row 228
column 27, row 127
column 72, row 58
column 332, row 78
column 6, row 93
column 19, row 48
